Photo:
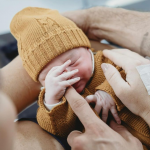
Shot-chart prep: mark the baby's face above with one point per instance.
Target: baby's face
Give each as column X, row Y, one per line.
column 80, row 59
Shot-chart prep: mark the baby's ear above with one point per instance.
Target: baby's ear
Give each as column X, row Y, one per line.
column 41, row 79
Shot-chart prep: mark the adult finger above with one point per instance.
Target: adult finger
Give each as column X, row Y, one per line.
column 80, row 107
column 72, row 136
column 114, row 78
column 119, row 59
column 120, row 129
column 130, row 54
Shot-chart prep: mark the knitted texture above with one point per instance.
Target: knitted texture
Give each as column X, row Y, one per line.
column 42, row 35
column 61, row 119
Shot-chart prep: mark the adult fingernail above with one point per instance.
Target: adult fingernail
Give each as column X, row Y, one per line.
column 104, row 67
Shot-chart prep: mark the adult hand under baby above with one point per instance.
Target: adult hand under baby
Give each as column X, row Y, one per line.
column 56, row 82
column 97, row 135
column 131, row 92
column 103, row 102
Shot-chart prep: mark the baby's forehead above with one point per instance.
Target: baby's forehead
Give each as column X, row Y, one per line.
column 59, row 60
column 62, row 58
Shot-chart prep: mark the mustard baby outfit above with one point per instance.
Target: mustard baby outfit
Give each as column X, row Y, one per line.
column 42, row 35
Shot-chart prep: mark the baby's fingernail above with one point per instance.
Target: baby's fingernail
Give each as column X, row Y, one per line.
column 78, row 78
column 76, row 70
column 104, row 67
column 68, row 61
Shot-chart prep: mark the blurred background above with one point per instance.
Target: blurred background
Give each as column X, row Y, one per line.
column 8, row 8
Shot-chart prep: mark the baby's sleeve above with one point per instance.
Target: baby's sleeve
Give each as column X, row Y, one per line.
column 59, row 121
column 105, row 86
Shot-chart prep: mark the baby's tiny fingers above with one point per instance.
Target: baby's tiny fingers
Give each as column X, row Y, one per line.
column 67, row 75
column 105, row 114
column 91, row 99
column 61, row 68
column 52, row 69
column 115, row 114
column 70, row 82
column 98, row 107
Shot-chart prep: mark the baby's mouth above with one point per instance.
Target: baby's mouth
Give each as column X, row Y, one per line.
column 76, row 85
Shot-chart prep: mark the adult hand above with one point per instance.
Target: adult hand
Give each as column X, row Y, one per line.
column 131, row 92
column 83, row 21
column 117, row 25
column 97, row 135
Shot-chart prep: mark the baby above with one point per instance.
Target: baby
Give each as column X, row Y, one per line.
column 77, row 71
column 57, row 53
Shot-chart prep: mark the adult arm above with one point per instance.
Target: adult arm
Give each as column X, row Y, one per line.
column 131, row 92
column 18, row 85
column 129, row 29
column 97, row 134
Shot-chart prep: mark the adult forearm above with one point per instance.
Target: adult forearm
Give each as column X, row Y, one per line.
column 146, row 114
column 18, row 85
column 129, row 29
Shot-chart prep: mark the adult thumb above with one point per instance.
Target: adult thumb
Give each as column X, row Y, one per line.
column 72, row 136
column 113, row 77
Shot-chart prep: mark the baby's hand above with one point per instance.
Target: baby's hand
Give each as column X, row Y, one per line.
column 105, row 102
column 57, row 81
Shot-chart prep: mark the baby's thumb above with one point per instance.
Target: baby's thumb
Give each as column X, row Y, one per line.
column 91, row 99
column 113, row 77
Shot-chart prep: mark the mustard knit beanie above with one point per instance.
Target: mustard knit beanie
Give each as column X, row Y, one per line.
column 43, row 34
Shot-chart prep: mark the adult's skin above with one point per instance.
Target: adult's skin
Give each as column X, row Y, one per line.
column 21, row 91
column 131, row 92
column 16, row 80
column 7, row 127
column 18, row 85
column 97, row 135
column 129, row 29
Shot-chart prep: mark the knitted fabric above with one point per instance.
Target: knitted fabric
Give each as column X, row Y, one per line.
column 61, row 120
column 42, row 35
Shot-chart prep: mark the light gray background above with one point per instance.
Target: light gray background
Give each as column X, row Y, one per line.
column 8, row 8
